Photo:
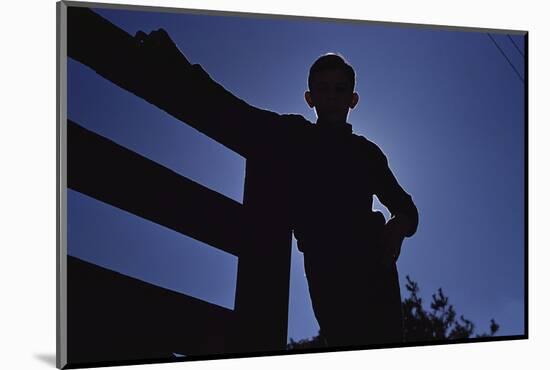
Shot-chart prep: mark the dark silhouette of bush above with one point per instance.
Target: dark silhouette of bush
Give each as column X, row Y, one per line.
column 439, row 323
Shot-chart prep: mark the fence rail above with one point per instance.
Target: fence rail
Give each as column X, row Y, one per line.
column 113, row 317
column 104, row 170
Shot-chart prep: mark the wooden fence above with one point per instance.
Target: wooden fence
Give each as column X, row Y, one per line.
column 114, row 317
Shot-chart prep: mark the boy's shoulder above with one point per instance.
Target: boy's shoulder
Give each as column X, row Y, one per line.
column 369, row 147
column 296, row 127
column 296, row 120
column 366, row 143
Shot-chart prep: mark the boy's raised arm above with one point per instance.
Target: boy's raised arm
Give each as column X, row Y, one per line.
column 201, row 102
column 152, row 67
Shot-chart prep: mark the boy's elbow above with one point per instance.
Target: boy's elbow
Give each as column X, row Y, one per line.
column 408, row 213
column 412, row 214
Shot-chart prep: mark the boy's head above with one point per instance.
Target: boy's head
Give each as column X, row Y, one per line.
column 331, row 83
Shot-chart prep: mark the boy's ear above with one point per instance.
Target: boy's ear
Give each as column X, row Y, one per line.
column 354, row 100
column 309, row 99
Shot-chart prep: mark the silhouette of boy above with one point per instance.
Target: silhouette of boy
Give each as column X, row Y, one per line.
column 349, row 251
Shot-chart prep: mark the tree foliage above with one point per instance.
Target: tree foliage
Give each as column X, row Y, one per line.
column 438, row 323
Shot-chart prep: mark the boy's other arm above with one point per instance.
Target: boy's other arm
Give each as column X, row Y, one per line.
column 404, row 220
column 195, row 98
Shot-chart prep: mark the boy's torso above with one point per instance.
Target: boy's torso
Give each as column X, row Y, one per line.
column 332, row 174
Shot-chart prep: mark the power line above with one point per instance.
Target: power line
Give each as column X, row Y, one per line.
column 517, row 48
column 504, row 55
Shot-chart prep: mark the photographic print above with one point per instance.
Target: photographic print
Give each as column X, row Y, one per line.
column 236, row 185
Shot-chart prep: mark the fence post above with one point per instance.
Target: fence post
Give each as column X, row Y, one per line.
column 263, row 278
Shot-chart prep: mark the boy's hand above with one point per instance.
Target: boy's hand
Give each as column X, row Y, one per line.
column 393, row 235
column 158, row 45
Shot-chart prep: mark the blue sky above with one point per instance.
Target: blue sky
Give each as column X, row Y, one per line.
column 445, row 106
